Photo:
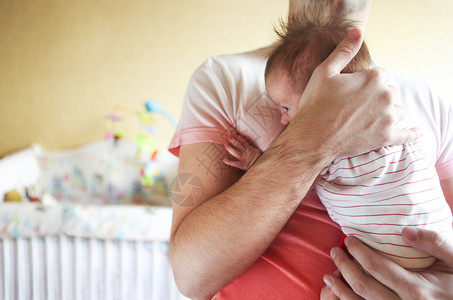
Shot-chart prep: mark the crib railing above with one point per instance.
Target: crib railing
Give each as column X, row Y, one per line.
column 66, row 268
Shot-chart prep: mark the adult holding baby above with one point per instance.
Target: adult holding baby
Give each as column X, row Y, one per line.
column 263, row 234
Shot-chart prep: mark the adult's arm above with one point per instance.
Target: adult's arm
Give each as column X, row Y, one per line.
column 357, row 10
column 386, row 279
column 226, row 230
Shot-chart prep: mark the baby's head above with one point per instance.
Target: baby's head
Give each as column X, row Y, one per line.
column 306, row 40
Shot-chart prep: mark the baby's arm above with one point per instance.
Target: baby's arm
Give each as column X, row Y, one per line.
column 244, row 153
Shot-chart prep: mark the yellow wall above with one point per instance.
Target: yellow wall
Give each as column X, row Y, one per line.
column 414, row 36
column 65, row 64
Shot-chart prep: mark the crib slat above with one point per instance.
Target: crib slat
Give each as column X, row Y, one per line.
column 139, row 270
column 122, row 270
column 2, row 269
column 34, row 268
column 71, row 280
column 13, row 268
column 6, row 268
column 23, row 284
column 101, row 250
column 48, row 259
column 159, row 273
column 116, row 270
column 132, row 275
column 146, row 252
column 63, row 268
column 81, row 274
column 76, row 270
column 38, row 270
column 108, row 270
column 93, row 269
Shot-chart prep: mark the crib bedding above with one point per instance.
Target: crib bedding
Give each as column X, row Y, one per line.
column 120, row 222
column 98, row 195
column 106, row 172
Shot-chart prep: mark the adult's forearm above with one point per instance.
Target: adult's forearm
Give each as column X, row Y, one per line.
column 222, row 237
column 355, row 10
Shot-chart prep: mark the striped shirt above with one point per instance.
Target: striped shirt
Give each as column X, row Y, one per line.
column 372, row 196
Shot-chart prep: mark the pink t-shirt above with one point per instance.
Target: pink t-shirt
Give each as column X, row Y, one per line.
column 228, row 93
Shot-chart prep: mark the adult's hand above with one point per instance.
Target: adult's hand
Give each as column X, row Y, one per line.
column 387, row 280
column 351, row 113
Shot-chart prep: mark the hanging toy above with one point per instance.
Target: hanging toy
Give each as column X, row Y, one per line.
column 155, row 107
column 147, row 151
column 112, row 123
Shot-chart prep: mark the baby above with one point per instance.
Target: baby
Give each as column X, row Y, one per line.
column 372, row 196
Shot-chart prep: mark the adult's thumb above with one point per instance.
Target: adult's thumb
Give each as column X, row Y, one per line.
column 434, row 243
column 342, row 55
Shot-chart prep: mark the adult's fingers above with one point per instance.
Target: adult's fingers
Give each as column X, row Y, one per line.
column 439, row 245
column 342, row 55
column 327, row 294
column 233, row 163
column 386, row 272
column 405, row 136
column 235, row 153
column 237, row 142
column 362, row 284
column 336, row 289
column 242, row 141
column 400, row 113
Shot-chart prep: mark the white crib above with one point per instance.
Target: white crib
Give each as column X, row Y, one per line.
column 87, row 249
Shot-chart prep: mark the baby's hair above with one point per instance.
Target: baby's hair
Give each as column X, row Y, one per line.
column 308, row 38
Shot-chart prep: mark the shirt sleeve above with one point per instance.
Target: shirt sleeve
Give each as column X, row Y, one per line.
column 207, row 112
column 444, row 164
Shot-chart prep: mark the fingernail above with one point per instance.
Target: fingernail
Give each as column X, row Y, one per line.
column 354, row 34
column 411, row 233
column 333, row 253
column 347, row 240
column 327, row 281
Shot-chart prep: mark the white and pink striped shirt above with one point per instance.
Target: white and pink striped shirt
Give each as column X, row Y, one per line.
column 372, row 196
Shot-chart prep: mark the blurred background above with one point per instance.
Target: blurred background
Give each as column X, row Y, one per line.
column 64, row 65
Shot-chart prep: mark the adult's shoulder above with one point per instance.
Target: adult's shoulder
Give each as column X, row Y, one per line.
column 236, row 64
column 420, row 92
column 407, row 82
column 233, row 78
column 257, row 56
column 431, row 110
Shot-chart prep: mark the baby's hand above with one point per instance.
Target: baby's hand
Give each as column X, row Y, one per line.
column 244, row 153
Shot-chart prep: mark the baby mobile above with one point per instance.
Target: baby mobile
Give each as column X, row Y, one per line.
column 147, row 150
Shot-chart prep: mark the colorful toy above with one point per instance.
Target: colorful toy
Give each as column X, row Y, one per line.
column 13, row 196
column 155, row 107
column 112, row 132
column 34, row 193
column 147, row 150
